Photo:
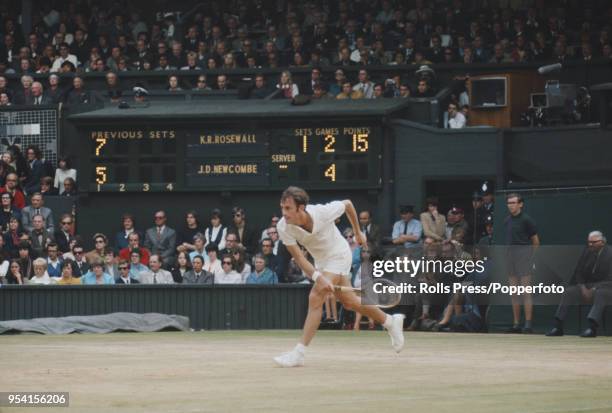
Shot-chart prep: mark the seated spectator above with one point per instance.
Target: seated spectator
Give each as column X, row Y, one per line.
column 97, row 276
column 424, row 89
column 288, row 89
column 78, row 95
column 8, row 211
column 260, row 89
column 5, row 99
column 110, row 264
column 46, row 187
column 197, row 275
column 379, row 89
column 262, row 274
column 64, row 56
column 134, row 244
column 135, row 263
column 192, row 62
column 122, row 237
column 12, row 188
column 591, row 283
column 12, row 236
column 124, row 274
column 434, row 223
column 185, row 235
column 319, row 92
column 365, row 86
column 407, row 231
column 41, row 276
column 156, row 275
column 15, row 275
column 247, row 236
column 348, row 92
column 201, row 84
column 67, row 276
column 182, row 265
column 161, row 239
column 100, row 244
column 404, row 91
column 54, row 92
column 456, row 119
column 37, row 207
column 213, row 264
column 241, row 265
column 228, row 274
column 198, row 247
column 4, row 261
column 54, row 262
column 41, row 237
column 70, row 188
column 80, row 266
column 223, row 83
column 336, row 87
column 173, row 84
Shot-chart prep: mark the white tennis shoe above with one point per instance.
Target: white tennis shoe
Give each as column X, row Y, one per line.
column 291, row 358
column 396, row 332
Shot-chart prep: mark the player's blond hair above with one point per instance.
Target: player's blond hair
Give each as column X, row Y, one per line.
column 299, row 196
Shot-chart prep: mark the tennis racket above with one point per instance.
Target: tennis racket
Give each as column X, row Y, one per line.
column 375, row 291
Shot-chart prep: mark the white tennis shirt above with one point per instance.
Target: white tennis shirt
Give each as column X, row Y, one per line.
column 325, row 242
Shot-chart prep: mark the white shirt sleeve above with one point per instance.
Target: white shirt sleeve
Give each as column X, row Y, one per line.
column 287, row 239
column 329, row 212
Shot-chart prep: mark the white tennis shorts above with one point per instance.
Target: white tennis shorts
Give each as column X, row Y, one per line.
column 338, row 264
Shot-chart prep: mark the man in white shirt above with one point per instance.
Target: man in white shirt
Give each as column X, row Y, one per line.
column 365, row 86
column 157, row 275
column 64, row 56
column 313, row 227
column 456, row 119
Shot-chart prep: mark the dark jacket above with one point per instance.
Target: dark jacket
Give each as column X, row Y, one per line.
column 593, row 267
column 204, row 278
column 119, row 280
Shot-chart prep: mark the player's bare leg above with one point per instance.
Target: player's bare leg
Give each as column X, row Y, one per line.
column 394, row 324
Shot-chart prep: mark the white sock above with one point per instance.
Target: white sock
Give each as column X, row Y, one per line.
column 300, row 348
column 388, row 322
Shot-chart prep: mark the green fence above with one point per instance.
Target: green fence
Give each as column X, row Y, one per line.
column 208, row 307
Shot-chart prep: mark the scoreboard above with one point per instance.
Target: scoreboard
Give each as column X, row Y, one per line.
column 209, row 157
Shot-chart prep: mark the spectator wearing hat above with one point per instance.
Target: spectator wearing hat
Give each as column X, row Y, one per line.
column 455, row 222
column 100, row 244
column 97, row 276
column 477, row 219
column 487, row 239
column 488, row 199
column 434, row 223
column 407, row 232
column 140, row 94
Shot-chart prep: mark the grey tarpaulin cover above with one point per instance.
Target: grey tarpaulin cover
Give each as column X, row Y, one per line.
column 105, row 323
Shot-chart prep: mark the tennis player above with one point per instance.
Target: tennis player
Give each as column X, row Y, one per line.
column 313, row 227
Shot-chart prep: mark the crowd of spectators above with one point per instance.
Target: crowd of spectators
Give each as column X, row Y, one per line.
column 95, row 37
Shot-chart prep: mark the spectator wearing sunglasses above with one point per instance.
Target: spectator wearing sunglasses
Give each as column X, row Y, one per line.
column 247, row 238
column 124, row 274
column 229, row 275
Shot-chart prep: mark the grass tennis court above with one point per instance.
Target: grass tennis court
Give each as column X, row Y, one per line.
column 229, row 371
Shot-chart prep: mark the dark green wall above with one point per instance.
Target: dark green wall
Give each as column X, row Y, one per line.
column 208, row 307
